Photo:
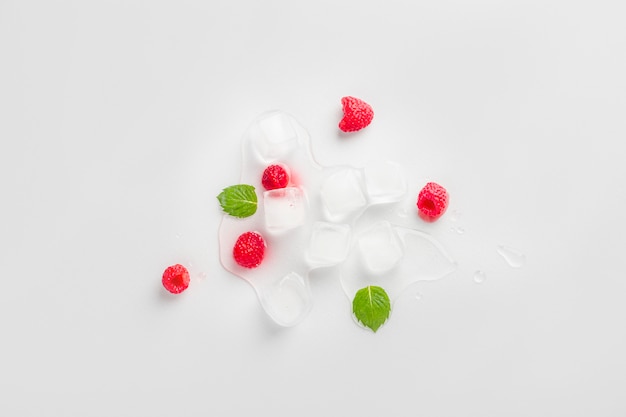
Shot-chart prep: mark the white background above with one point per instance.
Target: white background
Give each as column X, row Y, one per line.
column 120, row 121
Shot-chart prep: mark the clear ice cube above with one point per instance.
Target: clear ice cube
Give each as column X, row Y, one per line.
column 329, row 244
column 288, row 300
column 342, row 194
column 285, row 208
column 275, row 136
column 380, row 248
column 384, row 181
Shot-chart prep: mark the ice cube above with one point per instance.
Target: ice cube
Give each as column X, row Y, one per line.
column 329, row 244
column 380, row 248
column 288, row 300
column 275, row 136
column 384, row 182
column 285, row 208
column 342, row 194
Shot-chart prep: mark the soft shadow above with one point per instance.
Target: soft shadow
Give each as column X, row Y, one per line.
column 341, row 135
column 270, row 327
column 166, row 297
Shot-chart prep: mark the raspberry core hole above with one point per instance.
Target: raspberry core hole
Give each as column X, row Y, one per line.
column 428, row 205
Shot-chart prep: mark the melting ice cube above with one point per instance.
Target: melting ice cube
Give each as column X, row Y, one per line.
column 384, row 181
column 288, row 300
column 285, row 208
column 274, row 136
column 380, row 247
column 342, row 194
column 329, row 244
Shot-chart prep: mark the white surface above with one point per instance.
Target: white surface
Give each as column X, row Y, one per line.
column 121, row 121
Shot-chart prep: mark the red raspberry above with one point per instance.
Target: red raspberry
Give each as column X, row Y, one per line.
column 176, row 279
column 432, row 201
column 249, row 250
column 357, row 114
column 275, row 176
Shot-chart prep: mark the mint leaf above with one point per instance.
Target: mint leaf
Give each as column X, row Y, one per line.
column 371, row 306
column 238, row 200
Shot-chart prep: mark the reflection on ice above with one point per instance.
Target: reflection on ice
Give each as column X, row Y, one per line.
column 329, row 244
column 380, row 248
column 285, row 208
column 342, row 194
column 384, row 181
column 288, row 300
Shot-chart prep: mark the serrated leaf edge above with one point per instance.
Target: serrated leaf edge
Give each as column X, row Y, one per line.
column 226, row 202
column 370, row 299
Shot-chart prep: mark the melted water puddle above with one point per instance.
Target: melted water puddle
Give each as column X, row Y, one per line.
column 311, row 224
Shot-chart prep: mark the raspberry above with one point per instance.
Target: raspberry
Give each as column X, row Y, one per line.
column 176, row 279
column 249, row 250
column 275, row 176
column 357, row 114
column 432, row 201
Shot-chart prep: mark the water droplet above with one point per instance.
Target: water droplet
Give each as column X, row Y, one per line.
column 513, row 257
column 458, row 230
column 418, row 295
column 479, row 277
column 454, row 216
column 178, row 235
column 202, row 276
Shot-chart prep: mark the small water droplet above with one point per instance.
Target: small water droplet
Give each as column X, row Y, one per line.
column 202, row 276
column 454, row 216
column 178, row 235
column 479, row 277
column 418, row 295
column 458, row 230
column 513, row 257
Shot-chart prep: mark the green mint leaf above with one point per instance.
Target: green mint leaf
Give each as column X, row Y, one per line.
column 238, row 200
column 371, row 306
